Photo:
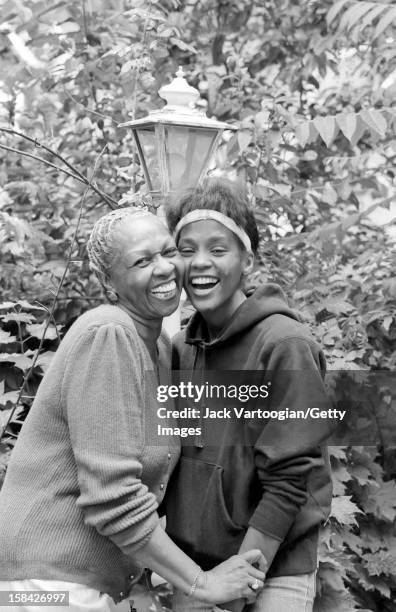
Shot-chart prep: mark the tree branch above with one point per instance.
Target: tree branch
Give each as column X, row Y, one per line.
column 51, row 311
column 41, row 159
column 89, row 110
column 75, row 173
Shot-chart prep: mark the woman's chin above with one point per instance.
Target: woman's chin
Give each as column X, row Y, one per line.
column 167, row 307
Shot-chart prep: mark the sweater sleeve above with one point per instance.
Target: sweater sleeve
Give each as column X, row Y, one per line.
column 103, row 397
column 287, row 450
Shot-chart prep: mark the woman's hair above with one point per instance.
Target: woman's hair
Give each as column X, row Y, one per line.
column 101, row 246
column 217, row 194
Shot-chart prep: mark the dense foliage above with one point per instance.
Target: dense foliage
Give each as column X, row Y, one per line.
column 311, row 86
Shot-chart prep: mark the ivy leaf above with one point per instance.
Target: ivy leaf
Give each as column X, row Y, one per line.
column 20, row 317
column 6, row 337
column 244, row 139
column 344, row 511
column 305, row 132
column 333, row 578
column 353, row 14
column 22, row 362
column 375, row 121
column 37, row 330
column 340, row 476
column 359, row 131
column 381, row 562
column 338, row 452
column 347, row 123
column 372, row 15
column 4, row 416
column 261, row 119
column 388, row 19
column 27, row 306
column 360, row 473
column 327, row 128
column 335, row 9
column 385, row 501
column 370, row 583
column 7, row 305
column 182, row 45
column 56, row 15
column 9, row 396
column 68, row 27
column 354, row 542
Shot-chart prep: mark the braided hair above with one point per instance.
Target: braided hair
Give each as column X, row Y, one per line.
column 101, row 246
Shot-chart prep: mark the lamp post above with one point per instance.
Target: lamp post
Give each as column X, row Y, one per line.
column 176, row 143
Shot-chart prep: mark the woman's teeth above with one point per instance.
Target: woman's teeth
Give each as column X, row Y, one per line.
column 203, row 282
column 164, row 292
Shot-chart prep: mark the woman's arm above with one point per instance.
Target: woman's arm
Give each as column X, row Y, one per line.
column 103, row 398
column 296, row 367
column 229, row 580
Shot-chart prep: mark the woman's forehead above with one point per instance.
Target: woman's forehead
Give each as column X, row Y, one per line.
column 136, row 228
column 205, row 229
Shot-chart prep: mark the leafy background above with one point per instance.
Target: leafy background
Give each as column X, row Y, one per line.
column 311, row 87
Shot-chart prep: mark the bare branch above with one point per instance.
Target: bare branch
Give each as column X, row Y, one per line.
column 89, row 110
column 40, row 145
column 40, row 159
column 55, row 298
column 75, row 173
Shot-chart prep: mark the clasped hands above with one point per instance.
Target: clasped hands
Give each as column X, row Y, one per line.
column 241, row 578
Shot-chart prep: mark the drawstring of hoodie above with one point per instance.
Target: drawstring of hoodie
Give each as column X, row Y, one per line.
column 199, row 441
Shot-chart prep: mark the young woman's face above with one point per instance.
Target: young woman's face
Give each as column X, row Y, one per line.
column 214, row 266
column 147, row 269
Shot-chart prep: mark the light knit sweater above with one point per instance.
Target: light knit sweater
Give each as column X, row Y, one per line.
column 82, row 487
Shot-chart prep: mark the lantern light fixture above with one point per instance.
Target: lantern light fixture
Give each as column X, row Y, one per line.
column 176, row 143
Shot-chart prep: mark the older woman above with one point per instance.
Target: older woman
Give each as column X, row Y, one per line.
column 78, row 505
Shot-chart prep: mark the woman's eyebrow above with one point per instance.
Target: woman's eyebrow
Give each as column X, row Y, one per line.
column 212, row 238
column 137, row 253
column 147, row 252
column 217, row 237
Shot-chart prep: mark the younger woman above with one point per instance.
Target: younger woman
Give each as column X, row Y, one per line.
column 274, row 494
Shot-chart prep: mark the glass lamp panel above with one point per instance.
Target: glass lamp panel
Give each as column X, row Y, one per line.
column 187, row 153
column 148, row 144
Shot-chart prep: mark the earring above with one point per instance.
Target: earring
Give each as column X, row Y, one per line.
column 112, row 296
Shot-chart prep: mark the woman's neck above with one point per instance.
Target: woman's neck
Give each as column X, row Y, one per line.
column 148, row 330
column 217, row 320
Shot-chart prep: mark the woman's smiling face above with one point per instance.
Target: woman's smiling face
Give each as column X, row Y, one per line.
column 215, row 263
column 147, row 269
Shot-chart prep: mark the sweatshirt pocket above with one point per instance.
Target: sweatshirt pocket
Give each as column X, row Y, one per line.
column 196, row 513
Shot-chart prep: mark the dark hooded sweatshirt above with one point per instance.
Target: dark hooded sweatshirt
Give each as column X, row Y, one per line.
column 279, row 484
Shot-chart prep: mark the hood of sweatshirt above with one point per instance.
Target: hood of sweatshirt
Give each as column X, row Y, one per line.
column 267, row 300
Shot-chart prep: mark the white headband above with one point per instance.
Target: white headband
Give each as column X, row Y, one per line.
column 214, row 215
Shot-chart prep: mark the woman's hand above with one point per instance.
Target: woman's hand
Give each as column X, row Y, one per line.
column 233, row 579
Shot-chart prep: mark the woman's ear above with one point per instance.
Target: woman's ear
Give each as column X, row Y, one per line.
column 248, row 264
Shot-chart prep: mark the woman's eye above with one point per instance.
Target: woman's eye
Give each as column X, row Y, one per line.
column 218, row 251
column 171, row 252
column 141, row 263
column 186, row 252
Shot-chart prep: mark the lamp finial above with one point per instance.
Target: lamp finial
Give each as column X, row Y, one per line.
column 179, row 93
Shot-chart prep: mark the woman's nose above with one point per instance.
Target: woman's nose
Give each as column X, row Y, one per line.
column 199, row 260
column 164, row 266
